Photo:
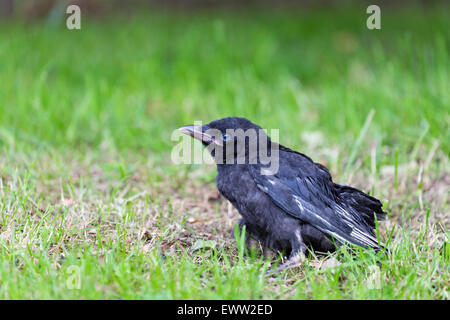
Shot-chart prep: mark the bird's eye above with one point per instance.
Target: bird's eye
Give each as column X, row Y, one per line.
column 225, row 137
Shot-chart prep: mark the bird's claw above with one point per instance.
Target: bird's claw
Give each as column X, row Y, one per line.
column 293, row 262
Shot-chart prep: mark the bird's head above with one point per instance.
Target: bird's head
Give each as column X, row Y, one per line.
column 231, row 140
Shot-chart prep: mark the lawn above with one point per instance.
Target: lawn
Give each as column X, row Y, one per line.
column 92, row 207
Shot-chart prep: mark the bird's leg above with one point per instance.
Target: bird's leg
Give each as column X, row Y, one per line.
column 295, row 260
column 297, row 256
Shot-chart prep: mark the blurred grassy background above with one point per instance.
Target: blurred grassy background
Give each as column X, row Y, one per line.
column 129, row 82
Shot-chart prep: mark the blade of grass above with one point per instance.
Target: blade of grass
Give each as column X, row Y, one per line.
column 358, row 142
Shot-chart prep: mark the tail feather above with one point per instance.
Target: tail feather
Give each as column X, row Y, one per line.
column 362, row 204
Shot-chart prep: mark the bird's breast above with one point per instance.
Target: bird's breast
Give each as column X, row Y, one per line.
column 238, row 186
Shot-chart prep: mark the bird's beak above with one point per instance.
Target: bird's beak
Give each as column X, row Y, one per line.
column 200, row 133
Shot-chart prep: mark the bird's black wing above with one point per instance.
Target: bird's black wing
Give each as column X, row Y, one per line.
column 311, row 198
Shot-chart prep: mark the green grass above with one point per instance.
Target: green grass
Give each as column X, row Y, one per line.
column 87, row 187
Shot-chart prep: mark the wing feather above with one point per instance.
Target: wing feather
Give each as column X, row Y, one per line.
column 312, row 200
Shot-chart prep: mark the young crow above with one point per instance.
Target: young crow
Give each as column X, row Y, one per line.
column 290, row 204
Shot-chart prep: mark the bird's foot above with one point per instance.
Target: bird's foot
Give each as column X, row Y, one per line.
column 293, row 262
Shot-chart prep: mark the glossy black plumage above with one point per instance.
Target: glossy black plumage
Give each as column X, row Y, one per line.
column 299, row 205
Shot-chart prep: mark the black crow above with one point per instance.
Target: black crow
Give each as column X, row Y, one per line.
column 290, row 204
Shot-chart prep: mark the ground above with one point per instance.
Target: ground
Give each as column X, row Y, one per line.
column 92, row 206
